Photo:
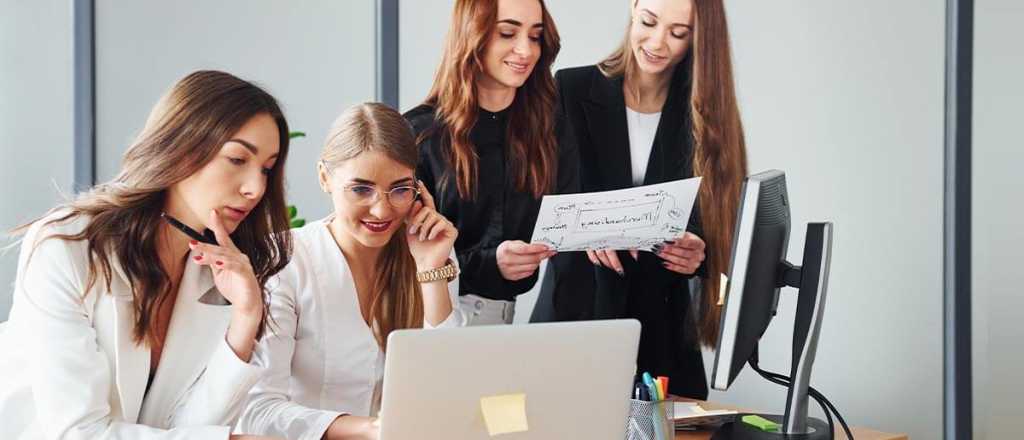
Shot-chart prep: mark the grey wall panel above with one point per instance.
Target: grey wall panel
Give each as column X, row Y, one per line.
column 35, row 118
column 998, row 281
column 315, row 57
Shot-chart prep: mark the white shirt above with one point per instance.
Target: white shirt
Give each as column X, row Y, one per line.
column 69, row 368
column 642, row 129
column 322, row 359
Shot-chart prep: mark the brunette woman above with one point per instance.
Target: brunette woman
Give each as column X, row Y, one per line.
column 123, row 326
column 492, row 144
column 661, row 107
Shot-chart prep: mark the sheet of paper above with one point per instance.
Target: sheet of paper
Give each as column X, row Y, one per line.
column 691, row 412
column 632, row 218
column 504, row 414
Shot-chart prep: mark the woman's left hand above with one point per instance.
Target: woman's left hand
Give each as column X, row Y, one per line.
column 431, row 236
column 682, row 255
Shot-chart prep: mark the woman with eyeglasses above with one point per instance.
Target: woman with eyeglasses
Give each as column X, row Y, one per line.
column 492, row 144
column 354, row 277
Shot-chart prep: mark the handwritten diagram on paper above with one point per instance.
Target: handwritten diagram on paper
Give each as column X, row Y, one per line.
column 633, row 218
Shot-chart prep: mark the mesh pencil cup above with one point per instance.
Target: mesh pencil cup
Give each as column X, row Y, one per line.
column 650, row 420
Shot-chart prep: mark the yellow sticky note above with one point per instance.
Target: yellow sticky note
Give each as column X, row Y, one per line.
column 504, row 414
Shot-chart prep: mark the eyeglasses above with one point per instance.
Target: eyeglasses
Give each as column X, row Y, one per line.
column 366, row 195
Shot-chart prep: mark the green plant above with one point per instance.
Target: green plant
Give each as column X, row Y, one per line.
column 293, row 219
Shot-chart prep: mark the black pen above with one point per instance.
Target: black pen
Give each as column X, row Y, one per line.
column 208, row 238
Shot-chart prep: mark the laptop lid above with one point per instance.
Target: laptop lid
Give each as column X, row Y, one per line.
column 557, row 380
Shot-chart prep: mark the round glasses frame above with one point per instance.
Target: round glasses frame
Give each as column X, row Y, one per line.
column 367, row 195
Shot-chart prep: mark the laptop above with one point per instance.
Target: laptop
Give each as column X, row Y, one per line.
column 538, row 381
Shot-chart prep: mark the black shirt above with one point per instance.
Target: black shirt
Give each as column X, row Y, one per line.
column 499, row 211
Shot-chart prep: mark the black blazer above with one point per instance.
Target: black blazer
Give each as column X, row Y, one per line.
column 575, row 289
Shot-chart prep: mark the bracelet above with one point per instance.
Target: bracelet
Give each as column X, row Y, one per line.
column 447, row 272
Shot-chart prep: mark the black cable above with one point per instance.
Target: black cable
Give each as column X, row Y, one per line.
column 778, row 379
column 785, row 383
column 811, row 391
column 823, row 402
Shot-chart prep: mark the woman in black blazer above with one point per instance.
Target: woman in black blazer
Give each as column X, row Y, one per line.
column 661, row 108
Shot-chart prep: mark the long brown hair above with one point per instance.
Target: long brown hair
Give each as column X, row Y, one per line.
column 719, row 150
column 396, row 301
column 184, row 131
column 531, row 128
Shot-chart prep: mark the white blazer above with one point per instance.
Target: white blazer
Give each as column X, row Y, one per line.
column 322, row 359
column 69, row 368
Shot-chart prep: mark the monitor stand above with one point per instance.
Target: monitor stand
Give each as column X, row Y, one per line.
column 812, row 281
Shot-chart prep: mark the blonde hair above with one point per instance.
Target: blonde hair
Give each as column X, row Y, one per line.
column 396, row 301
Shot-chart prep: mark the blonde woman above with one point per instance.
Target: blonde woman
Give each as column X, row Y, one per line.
column 382, row 261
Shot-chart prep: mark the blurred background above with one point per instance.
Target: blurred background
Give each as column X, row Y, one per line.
column 846, row 97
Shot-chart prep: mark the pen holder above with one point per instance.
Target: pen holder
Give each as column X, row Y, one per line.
column 650, row 420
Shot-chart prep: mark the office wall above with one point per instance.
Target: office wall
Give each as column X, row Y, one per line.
column 35, row 118
column 847, row 101
column 315, row 57
column 998, row 238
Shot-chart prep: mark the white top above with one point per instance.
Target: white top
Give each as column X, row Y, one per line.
column 642, row 128
column 69, row 368
column 322, row 359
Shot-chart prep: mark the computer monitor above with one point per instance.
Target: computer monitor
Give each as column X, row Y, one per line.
column 757, row 272
column 567, row 380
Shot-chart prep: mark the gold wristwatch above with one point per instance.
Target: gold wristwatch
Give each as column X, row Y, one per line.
column 447, row 272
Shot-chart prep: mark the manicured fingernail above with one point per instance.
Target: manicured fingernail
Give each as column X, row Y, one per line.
column 219, row 263
column 197, row 257
column 193, row 242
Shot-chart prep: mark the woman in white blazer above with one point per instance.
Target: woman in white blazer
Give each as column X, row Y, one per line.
column 124, row 328
column 382, row 261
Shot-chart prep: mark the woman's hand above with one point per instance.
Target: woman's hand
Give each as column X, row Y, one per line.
column 353, row 428
column 252, row 437
column 682, row 255
column 518, row 260
column 235, row 279
column 608, row 258
column 431, row 236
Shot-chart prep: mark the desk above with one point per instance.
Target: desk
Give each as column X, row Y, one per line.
column 858, row 433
